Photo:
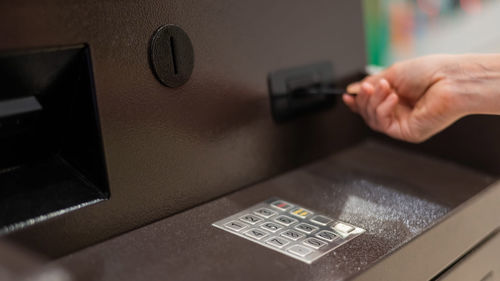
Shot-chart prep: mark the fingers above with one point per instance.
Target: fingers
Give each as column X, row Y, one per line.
column 382, row 90
column 350, row 102
column 362, row 100
column 355, row 103
column 376, row 104
column 354, row 87
column 385, row 110
column 372, row 79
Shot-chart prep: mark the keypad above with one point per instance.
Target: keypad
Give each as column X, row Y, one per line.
column 251, row 219
column 327, row 235
column 281, row 205
column 277, row 242
column 290, row 229
column 271, row 226
column 265, row 213
column 235, row 225
column 292, row 234
column 299, row 250
column 321, row 220
column 256, row 233
column 314, row 243
column 285, row 220
column 307, row 228
column 300, row 212
column 343, row 228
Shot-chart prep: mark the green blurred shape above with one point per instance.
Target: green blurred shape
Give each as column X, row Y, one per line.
column 376, row 22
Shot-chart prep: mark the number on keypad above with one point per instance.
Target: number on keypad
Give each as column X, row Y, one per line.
column 314, row 243
column 277, row 242
column 327, row 235
column 307, row 228
column 286, row 221
column 292, row 234
column 264, row 212
column 256, row 233
column 251, row 219
column 273, row 227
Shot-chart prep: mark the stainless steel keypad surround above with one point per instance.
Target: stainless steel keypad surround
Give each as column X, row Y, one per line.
column 290, row 229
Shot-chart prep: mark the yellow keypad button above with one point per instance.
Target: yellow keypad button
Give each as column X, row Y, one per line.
column 300, row 212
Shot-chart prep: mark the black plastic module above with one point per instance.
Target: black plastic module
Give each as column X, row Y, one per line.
column 51, row 154
column 285, row 86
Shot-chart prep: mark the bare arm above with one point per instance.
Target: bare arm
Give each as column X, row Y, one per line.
column 415, row 99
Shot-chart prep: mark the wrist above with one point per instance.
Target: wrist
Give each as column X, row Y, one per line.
column 476, row 84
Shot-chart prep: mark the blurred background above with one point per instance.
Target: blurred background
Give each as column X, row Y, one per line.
column 401, row 29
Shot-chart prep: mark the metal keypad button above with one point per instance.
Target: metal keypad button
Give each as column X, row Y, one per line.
column 307, row 228
column 299, row 250
column 251, row 219
column 321, row 220
column 284, row 220
column 300, row 212
column 265, row 213
column 314, row 243
column 281, row 205
column 292, row 235
column 256, row 233
column 235, row 225
column 326, row 235
column 271, row 226
column 343, row 228
column 277, row 242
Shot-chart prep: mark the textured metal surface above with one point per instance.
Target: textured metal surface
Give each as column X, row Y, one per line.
column 170, row 149
column 286, row 245
column 434, row 250
column 482, row 263
column 17, row 264
column 472, row 142
column 395, row 195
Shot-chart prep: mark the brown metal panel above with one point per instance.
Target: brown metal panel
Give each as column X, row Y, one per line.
column 472, row 141
column 436, row 249
column 169, row 149
column 414, row 228
column 481, row 264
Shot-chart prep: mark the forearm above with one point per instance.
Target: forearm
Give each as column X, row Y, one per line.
column 477, row 83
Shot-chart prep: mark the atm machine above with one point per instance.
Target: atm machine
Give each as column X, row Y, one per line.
column 140, row 141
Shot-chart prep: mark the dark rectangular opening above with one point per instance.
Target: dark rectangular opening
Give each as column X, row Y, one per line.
column 51, row 152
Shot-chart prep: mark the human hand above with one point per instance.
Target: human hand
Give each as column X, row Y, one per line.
column 415, row 99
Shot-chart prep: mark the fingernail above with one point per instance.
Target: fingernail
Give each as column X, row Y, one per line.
column 354, row 87
column 384, row 84
column 346, row 98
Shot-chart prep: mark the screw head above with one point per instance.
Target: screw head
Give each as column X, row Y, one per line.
column 171, row 55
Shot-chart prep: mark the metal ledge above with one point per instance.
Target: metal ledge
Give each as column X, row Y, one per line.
column 411, row 206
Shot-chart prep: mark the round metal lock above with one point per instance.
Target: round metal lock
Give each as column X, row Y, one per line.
column 171, row 55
